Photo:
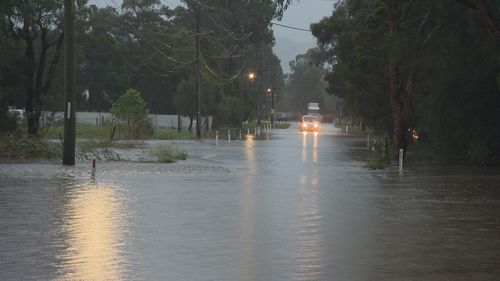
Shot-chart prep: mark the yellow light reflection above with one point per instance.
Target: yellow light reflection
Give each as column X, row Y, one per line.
column 94, row 227
column 247, row 220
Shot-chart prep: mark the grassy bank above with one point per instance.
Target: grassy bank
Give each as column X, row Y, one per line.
column 87, row 131
column 29, row 148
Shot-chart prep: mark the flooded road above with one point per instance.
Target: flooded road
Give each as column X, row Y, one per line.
column 292, row 207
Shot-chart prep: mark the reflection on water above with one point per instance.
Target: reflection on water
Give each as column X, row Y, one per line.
column 308, row 255
column 281, row 214
column 93, row 224
column 247, row 254
column 306, row 147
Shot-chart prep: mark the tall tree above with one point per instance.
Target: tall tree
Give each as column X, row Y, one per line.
column 38, row 24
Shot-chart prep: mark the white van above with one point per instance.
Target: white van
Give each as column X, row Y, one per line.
column 310, row 123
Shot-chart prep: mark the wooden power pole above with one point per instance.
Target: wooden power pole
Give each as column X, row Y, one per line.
column 69, row 84
column 198, row 72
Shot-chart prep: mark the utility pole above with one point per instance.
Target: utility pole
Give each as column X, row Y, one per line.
column 198, row 72
column 272, row 97
column 69, row 84
column 261, row 82
column 242, row 74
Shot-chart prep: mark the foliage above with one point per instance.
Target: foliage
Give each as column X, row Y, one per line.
column 29, row 148
column 407, row 64
column 282, row 125
column 306, row 83
column 381, row 155
column 131, row 109
column 167, row 154
column 185, row 98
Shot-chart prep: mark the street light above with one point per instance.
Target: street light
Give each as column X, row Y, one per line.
column 251, row 76
column 269, row 91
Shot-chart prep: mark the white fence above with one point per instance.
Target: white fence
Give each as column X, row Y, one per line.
column 159, row 121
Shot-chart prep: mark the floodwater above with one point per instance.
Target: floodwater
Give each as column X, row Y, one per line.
column 293, row 206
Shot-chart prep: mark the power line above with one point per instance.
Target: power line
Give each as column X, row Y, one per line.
column 291, row 27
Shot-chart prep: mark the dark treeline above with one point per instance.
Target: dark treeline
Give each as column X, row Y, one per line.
column 143, row 45
column 429, row 66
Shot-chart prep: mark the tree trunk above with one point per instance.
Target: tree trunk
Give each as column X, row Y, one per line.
column 30, row 103
column 190, row 123
column 395, row 88
column 179, row 129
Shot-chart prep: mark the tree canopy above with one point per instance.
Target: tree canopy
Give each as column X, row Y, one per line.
column 430, row 66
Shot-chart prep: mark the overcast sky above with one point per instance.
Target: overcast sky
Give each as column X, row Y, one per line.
column 289, row 42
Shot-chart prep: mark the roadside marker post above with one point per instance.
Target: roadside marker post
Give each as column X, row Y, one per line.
column 92, row 175
column 229, row 135
column 400, row 160
column 217, row 137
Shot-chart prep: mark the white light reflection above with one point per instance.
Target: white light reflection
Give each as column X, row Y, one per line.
column 314, row 146
column 308, row 253
column 93, row 223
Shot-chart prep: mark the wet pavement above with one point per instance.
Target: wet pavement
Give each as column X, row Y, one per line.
column 290, row 207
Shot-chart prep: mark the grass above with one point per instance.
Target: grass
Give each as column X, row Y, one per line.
column 29, row 148
column 173, row 135
column 377, row 163
column 282, row 125
column 82, row 131
column 88, row 131
column 166, row 154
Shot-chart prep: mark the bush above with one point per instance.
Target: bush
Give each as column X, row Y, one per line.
column 380, row 157
column 28, row 148
column 131, row 110
column 166, row 154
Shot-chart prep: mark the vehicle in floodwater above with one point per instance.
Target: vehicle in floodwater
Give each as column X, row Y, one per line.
column 310, row 123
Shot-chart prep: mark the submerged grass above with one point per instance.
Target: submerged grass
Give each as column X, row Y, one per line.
column 173, row 135
column 167, row 154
